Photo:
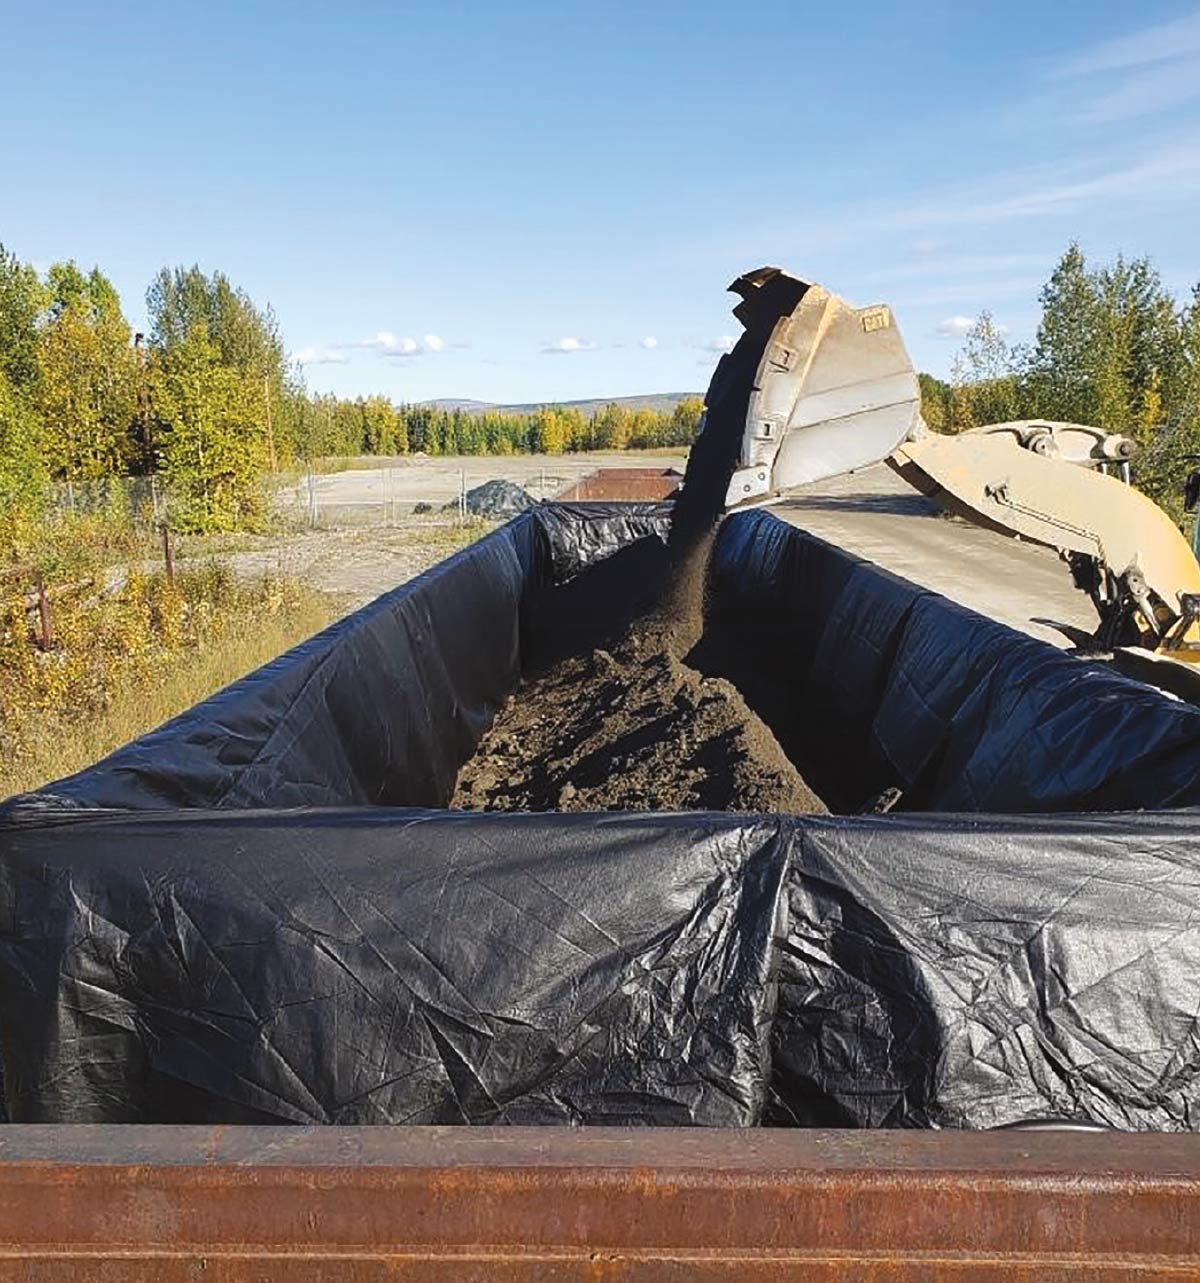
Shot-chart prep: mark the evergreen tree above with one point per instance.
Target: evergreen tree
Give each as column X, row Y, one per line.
column 23, row 472
column 22, row 299
column 1060, row 377
column 935, row 402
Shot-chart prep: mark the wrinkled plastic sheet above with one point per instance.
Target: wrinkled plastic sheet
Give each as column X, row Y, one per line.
column 958, row 972
column 580, row 534
column 396, row 966
column 252, row 915
column 388, row 967
column 872, row 682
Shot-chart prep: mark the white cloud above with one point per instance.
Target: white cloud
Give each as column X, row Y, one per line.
column 967, row 294
column 568, row 345
column 1160, row 43
column 1149, row 91
column 1143, row 72
column 649, row 343
column 319, row 356
column 722, row 343
column 388, row 344
column 1172, row 171
column 958, row 265
column 1160, row 174
column 955, row 327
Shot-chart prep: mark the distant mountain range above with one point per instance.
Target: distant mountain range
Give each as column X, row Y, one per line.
column 658, row 401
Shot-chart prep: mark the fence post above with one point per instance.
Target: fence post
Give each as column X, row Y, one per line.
column 168, row 553
column 462, row 496
column 46, row 636
column 312, row 500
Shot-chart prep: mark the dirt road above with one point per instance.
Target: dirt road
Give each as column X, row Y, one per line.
column 355, row 565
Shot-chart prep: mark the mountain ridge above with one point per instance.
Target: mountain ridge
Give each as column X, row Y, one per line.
column 661, row 402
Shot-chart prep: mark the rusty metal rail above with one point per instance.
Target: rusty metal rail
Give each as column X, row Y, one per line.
column 261, row 1203
column 627, row 485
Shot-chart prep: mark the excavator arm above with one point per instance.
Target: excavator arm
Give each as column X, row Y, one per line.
column 834, row 390
column 1126, row 552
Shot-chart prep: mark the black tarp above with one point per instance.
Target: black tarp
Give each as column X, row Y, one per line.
column 870, row 681
column 384, row 966
column 383, row 707
column 241, row 918
column 982, row 971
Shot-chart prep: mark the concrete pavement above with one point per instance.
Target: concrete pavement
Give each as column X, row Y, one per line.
column 876, row 515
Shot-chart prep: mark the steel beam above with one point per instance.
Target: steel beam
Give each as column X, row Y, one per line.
column 369, row 1203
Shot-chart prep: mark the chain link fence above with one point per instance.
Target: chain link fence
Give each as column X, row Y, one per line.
column 397, row 491
column 357, row 493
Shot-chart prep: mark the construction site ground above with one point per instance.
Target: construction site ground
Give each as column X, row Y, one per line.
column 876, row 515
column 394, row 486
column 872, row 513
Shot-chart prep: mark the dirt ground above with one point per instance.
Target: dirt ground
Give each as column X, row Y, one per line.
column 354, row 564
column 628, row 725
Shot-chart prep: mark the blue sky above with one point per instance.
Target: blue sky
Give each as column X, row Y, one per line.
column 537, row 201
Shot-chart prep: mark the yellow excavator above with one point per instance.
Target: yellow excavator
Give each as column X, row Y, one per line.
column 835, row 391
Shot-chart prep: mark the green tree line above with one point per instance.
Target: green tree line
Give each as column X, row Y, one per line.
column 328, row 426
column 205, row 400
column 1113, row 349
column 208, row 402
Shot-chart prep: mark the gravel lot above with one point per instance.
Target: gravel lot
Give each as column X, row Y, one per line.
column 367, row 540
column 390, row 489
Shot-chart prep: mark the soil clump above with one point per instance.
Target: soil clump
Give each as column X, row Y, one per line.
column 628, row 724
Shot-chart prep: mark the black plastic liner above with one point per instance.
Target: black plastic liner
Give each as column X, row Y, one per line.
column 381, row 708
column 957, row 972
column 177, row 944
column 389, row 967
column 870, row 682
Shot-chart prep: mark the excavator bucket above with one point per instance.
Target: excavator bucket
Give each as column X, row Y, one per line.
column 834, row 391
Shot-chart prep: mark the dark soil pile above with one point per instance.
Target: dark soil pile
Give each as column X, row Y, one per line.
column 632, row 731
column 629, row 725
column 495, row 500
column 619, row 720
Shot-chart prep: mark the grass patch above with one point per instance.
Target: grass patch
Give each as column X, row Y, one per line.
column 440, row 535
column 123, row 664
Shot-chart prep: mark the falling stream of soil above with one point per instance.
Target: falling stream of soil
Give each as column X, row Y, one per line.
column 631, row 726
column 615, row 718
